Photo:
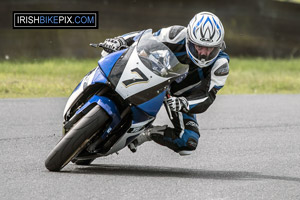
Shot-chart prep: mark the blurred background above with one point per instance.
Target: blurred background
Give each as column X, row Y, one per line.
column 259, row 28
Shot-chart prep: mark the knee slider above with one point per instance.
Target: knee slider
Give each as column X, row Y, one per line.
column 192, row 144
column 190, row 148
column 191, row 140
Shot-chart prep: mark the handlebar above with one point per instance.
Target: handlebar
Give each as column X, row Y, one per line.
column 105, row 48
column 94, row 45
column 101, row 45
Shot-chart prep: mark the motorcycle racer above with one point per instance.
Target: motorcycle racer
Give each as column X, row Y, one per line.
column 200, row 45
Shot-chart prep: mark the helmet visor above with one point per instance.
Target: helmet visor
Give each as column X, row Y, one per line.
column 203, row 54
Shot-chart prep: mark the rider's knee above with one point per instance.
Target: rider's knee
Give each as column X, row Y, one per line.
column 189, row 141
column 192, row 143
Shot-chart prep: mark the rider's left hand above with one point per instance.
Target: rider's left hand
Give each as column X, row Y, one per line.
column 178, row 104
column 113, row 44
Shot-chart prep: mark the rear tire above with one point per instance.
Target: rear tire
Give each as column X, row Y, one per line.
column 73, row 142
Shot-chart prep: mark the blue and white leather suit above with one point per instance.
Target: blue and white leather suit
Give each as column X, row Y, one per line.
column 199, row 88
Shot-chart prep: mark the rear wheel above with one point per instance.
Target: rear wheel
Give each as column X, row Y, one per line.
column 73, row 142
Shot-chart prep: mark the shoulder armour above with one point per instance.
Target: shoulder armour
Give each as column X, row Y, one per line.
column 172, row 35
column 175, row 30
column 219, row 73
column 223, row 70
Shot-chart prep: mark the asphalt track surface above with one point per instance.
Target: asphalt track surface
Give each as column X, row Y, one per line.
column 249, row 149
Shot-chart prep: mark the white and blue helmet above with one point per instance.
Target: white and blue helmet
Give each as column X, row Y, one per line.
column 205, row 30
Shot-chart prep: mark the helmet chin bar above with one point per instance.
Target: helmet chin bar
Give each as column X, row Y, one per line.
column 201, row 62
column 202, row 58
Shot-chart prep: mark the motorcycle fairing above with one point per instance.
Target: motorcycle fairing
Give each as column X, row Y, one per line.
column 136, row 78
column 97, row 75
column 153, row 105
column 107, row 63
column 135, row 130
column 93, row 77
column 140, row 122
column 119, row 66
column 139, row 115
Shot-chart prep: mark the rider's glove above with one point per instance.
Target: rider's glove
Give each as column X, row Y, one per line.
column 114, row 44
column 178, row 104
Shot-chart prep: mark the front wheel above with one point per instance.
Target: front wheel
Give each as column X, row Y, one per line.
column 84, row 162
column 73, row 142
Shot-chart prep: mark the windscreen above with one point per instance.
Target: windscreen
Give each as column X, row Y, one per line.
column 158, row 57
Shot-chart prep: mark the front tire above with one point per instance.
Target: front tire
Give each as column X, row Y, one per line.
column 84, row 162
column 73, row 142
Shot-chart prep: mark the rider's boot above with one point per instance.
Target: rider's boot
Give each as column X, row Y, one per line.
column 183, row 144
column 145, row 137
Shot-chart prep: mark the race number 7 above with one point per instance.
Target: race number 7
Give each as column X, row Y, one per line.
column 143, row 78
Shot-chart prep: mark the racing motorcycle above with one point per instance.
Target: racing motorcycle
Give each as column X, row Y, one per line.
column 116, row 101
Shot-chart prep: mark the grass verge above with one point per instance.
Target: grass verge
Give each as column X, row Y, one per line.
column 263, row 76
column 58, row 77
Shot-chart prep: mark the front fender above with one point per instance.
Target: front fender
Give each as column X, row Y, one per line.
column 108, row 105
column 105, row 103
column 93, row 78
